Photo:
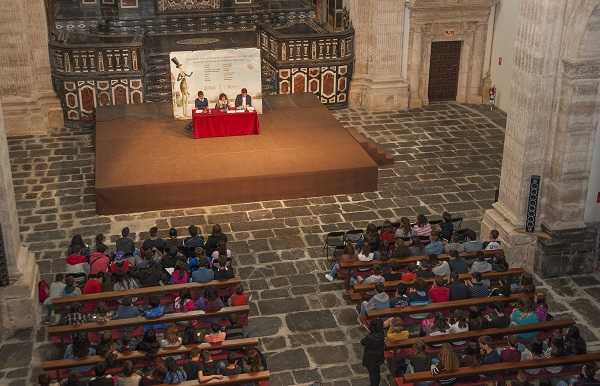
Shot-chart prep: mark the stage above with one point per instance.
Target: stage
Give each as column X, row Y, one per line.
column 146, row 160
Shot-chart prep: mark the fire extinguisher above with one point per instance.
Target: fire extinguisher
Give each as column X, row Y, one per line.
column 492, row 97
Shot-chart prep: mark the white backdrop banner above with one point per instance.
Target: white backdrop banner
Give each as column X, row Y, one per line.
column 214, row 72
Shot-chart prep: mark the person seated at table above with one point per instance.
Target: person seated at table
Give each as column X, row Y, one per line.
column 222, row 103
column 243, row 100
column 201, row 102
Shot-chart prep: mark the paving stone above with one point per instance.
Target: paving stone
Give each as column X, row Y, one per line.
column 15, row 355
column 18, row 373
column 282, row 306
column 18, row 382
column 263, row 326
column 335, row 372
column 307, row 376
column 589, row 310
column 310, row 320
column 284, row 378
column 305, row 339
column 334, row 335
column 305, row 279
column 272, row 344
column 328, row 354
column 287, row 360
column 346, row 316
column 275, row 293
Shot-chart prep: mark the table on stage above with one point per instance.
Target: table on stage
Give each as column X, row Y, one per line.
column 216, row 123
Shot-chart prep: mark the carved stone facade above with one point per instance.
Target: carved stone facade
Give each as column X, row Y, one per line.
column 551, row 131
column 393, row 49
column 26, row 93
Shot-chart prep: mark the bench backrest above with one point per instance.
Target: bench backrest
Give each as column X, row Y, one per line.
column 145, row 291
column 465, row 276
column 438, row 339
column 503, row 367
column 231, row 380
column 435, row 307
column 411, row 259
column 96, row 359
column 140, row 321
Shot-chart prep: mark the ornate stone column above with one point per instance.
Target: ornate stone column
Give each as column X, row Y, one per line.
column 30, row 105
column 377, row 82
column 18, row 294
column 536, row 68
column 414, row 66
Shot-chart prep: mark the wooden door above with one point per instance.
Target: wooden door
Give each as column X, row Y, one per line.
column 443, row 70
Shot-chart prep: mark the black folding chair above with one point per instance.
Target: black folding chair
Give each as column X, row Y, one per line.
column 354, row 235
column 335, row 240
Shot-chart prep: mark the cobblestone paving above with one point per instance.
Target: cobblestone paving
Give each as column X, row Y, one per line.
column 447, row 157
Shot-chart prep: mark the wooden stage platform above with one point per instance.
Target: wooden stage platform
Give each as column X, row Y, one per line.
column 146, row 160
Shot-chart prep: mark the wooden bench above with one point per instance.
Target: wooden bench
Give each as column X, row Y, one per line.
column 435, row 307
column 133, row 355
column 145, row 291
column 512, row 367
column 359, row 291
column 140, row 321
column 230, row 380
column 439, row 339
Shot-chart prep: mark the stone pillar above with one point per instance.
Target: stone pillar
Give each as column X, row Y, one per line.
column 377, row 81
column 414, row 66
column 536, row 68
column 476, row 72
column 18, row 299
column 29, row 102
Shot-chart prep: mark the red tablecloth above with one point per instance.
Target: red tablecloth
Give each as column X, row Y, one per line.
column 219, row 124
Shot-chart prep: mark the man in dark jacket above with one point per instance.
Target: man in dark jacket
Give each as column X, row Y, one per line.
column 374, row 346
column 458, row 289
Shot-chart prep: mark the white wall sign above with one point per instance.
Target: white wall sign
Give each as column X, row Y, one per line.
column 214, row 72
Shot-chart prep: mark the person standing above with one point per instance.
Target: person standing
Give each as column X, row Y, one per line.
column 374, row 346
column 243, row 100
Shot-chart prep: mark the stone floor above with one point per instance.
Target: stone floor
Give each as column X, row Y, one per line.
column 447, row 157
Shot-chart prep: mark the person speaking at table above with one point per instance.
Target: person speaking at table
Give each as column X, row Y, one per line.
column 243, row 100
column 222, row 103
column 201, row 102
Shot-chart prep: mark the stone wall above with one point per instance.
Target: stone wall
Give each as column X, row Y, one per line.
column 30, row 105
column 393, row 48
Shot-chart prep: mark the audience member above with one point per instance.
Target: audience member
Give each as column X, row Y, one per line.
column 78, row 246
column 129, row 377
column 154, row 242
column 125, row 244
column 396, row 331
column 124, row 281
column 419, row 297
column 92, row 286
column 56, row 291
column 372, row 240
column 378, row 301
column 101, row 378
column 214, row 238
column 422, row 228
column 457, row 324
column 99, row 261
column 510, row 353
column 436, row 245
column 439, row 292
column 223, row 269
column 216, row 335
column 439, row 267
column 480, row 265
column 446, row 361
column 489, row 355
column 523, row 315
column 541, row 308
column 447, row 227
column 149, row 343
column 375, row 276
column 477, row 288
column 365, row 253
column 126, row 310
column 493, row 242
column 574, row 343
column 457, row 263
column 193, row 241
column 76, row 262
column 180, row 275
column 347, row 255
column 171, row 339
column 239, row 298
column 457, row 288
column 175, row 374
column 203, row 274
